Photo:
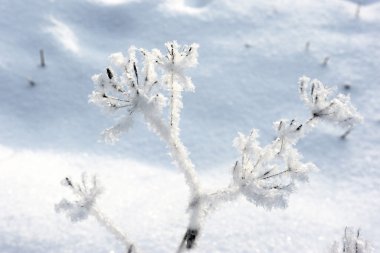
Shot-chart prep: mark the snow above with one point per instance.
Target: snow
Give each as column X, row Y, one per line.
column 63, row 34
column 250, row 58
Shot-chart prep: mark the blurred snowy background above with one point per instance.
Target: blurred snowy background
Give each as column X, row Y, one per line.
column 251, row 56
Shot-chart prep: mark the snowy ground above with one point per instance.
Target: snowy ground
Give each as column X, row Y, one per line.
column 251, row 55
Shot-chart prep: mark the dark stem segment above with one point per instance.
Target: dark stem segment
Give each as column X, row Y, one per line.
column 42, row 58
column 131, row 249
column 109, row 73
column 344, row 135
column 188, row 240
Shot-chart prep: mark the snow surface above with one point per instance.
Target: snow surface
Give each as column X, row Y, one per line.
column 251, row 56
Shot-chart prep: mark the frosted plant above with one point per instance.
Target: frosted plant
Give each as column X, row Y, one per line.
column 264, row 175
column 338, row 110
column 351, row 243
column 86, row 193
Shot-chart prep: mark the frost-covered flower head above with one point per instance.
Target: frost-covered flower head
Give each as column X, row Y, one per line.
column 338, row 110
column 129, row 87
column 86, row 194
column 266, row 176
column 177, row 60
